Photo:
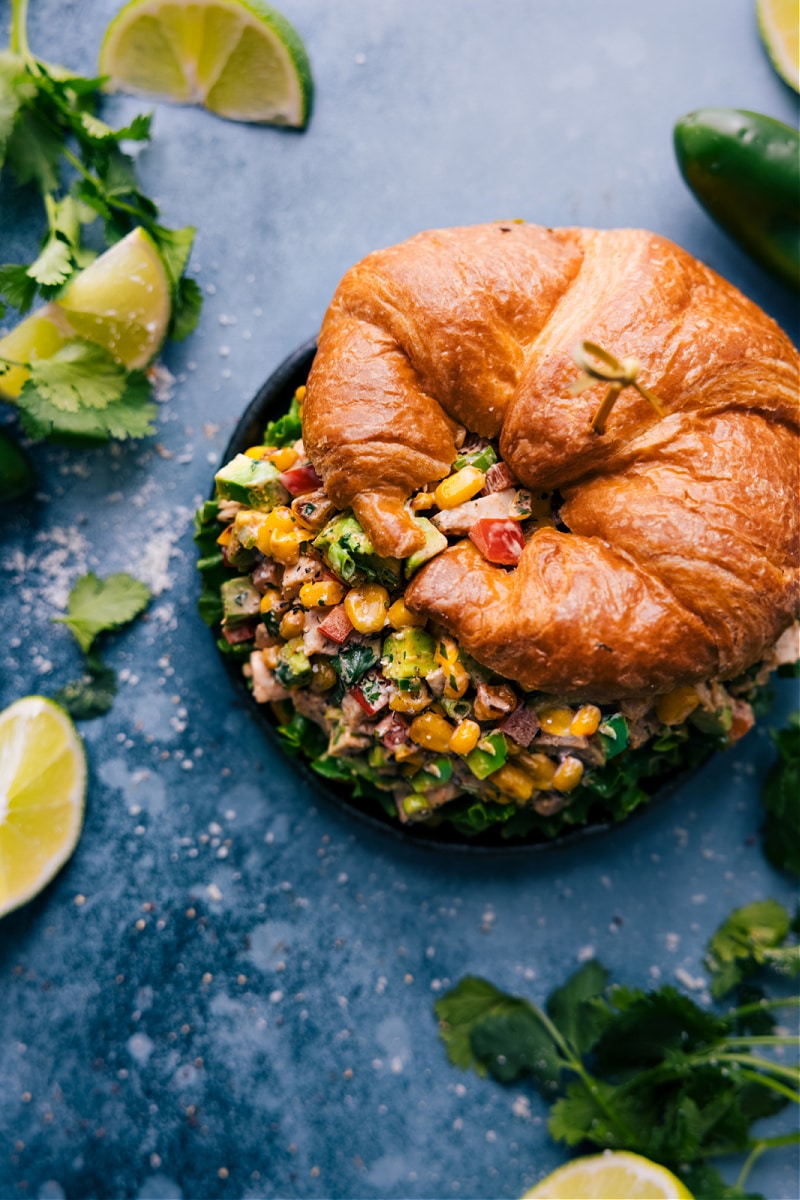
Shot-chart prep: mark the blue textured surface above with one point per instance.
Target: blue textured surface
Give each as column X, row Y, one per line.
column 242, row 1003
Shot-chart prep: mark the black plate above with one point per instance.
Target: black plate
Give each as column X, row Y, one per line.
column 271, row 400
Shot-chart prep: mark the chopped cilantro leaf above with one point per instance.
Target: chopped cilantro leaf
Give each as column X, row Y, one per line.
column 751, row 938
column 97, row 605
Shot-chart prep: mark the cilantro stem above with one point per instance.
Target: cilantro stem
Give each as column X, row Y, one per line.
column 770, row 1039
column 767, row 1082
column 763, row 1006
column 574, row 1063
column 18, row 43
column 111, row 201
column 752, row 1060
column 786, row 1139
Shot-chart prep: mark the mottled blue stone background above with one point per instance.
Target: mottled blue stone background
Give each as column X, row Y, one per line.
column 241, row 1006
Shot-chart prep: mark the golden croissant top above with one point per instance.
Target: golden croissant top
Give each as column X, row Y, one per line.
column 676, row 556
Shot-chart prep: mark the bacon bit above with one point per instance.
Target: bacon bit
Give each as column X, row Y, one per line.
column 336, row 626
column 239, row 633
column 393, row 731
column 498, row 478
column 522, row 725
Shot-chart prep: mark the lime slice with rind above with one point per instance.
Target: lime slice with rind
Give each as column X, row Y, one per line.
column 779, row 25
column 240, row 59
column 614, row 1175
column 42, row 790
column 121, row 301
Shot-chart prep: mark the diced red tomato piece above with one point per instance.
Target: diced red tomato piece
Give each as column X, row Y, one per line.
column 336, row 625
column 498, row 539
column 378, row 689
column 299, row 480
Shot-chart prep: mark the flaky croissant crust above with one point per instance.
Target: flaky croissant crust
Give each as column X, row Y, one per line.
column 681, row 560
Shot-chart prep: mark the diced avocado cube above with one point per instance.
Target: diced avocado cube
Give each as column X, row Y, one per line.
column 251, row 481
column 293, row 668
column 482, row 458
column 614, row 735
column 350, row 554
column 408, row 653
column 716, row 723
column 435, row 542
column 488, row 756
column 240, row 600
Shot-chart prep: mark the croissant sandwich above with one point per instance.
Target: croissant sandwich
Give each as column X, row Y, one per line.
column 527, row 543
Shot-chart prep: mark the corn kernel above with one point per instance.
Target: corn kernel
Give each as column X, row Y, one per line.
column 457, row 488
column 431, row 732
column 292, row 624
column 556, row 720
column 257, row 452
column 514, row 782
column 300, row 393
column 366, row 607
column 324, row 594
column 270, row 600
column 446, row 651
column 411, row 756
column 284, row 458
column 465, row 737
column 585, row 721
column 285, row 547
column 270, row 656
column 281, row 520
column 676, row 706
column 401, row 617
column 410, row 702
column 568, row 775
column 225, row 537
column 540, row 768
column 456, row 681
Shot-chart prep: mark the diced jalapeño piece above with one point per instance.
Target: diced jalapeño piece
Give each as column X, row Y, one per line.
column 240, row 600
column 614, row 735
column 435, row 542
column 350, row 554
column 408, row 654
column 251, row 481
column 482, row 457
column 488, row 756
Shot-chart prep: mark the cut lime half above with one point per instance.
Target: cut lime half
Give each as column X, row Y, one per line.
column 615, row 1175
column 779, row 25
column 121, row 301
column 42, row 789
column 241, row 59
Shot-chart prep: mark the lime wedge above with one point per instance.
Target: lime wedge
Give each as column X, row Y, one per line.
column 610, row 1176
column 779, row 25
column 42, row 788
column 241, row 59
column 121, row 302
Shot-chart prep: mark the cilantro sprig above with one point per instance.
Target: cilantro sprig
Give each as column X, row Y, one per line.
column 625, row 1069
column 96, row 606
column 52, row 139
